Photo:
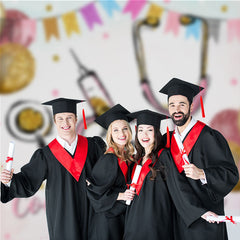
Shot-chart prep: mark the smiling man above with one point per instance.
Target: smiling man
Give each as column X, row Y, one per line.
column 211, row 170
column 65, row 163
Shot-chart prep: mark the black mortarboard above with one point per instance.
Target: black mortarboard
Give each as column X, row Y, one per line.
column 148, row 117
column 117, row 112
column 179, row 87
column 60, row 105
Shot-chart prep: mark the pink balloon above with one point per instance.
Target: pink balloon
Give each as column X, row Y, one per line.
column 18, row 28
column 226, row 122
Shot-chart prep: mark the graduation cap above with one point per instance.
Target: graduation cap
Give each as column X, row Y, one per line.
column 148, row 117
column 61, row 105
column 117, row 112
column 179, row 87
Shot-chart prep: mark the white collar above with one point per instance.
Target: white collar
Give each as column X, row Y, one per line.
column 187, row 129
column 70, row 148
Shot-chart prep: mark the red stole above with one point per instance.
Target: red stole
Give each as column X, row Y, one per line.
column 144, row 172
column 122, row 164
column 73, row 165
column 188, row 144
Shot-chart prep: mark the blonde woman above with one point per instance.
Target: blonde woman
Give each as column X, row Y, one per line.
column 107, row 190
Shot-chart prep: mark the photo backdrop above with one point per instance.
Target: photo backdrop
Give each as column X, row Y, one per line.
column 110, row 52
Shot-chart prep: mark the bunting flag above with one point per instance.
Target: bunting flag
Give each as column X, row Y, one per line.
column 90, row 15
column 194, row 29
column 109, row 6
column 213, row 28
column 51, row 28
column 155, row 11
column 233, row 29
column 70, row 23
column 172, row 23
column 134, row 7
column 28, row 31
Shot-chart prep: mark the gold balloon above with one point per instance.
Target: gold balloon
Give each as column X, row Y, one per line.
column 2, row 16
column 17, row 67
column 238, row 122
column 235, row 149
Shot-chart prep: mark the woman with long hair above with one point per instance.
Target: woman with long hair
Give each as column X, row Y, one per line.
column 150, row 214
column 160, row 192
column 107, row 188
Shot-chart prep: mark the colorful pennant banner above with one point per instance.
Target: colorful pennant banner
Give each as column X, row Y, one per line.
column 91, row 16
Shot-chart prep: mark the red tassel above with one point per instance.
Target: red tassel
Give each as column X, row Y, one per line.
column 202, row 107
column 84, row 119
column 168, row 138
column 135, row 128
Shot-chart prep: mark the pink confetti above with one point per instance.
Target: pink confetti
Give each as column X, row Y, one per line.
column 7, row 236
column 234, row 82
column 55, row 93
column 105, row 35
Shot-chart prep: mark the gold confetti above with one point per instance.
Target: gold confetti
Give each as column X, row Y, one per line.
column 49, row 8
column 224, row 8
column 56, row 58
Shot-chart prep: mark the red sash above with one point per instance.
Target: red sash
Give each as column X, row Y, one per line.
column 73, row 165
column 188, row 144
column 144, row 171
column 122, row 164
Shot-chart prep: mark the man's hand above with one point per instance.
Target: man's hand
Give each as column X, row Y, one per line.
column 193, row 172
column 6, row 176
column 205, row 215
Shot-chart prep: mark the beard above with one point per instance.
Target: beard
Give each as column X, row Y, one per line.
column 181, row 121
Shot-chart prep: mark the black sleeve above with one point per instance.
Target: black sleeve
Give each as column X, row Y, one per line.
column 184, row 198
column 28, row 180
column 95, row 151
column 220, row 170
column 101, row 192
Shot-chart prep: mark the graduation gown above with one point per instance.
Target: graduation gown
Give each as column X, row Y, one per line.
column 212, row 154
column 150, row 214
column 108, row 179
column 67, row 206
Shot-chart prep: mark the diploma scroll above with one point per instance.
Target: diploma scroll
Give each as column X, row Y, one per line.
column 181, row 148
column 134, row 180
column 9, row 159
column 232, row 219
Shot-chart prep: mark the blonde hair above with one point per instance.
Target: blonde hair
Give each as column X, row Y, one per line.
column 129, row 149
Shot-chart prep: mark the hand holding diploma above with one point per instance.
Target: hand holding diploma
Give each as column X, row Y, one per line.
column 210, row 217
column 7, row 173
column 134, row 180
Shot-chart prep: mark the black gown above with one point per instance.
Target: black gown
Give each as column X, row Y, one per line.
column 67, row 205
column 107, row 222
column 150, row 214
column 212, row 154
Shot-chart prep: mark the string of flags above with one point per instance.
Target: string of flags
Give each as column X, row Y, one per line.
column 91, row 16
